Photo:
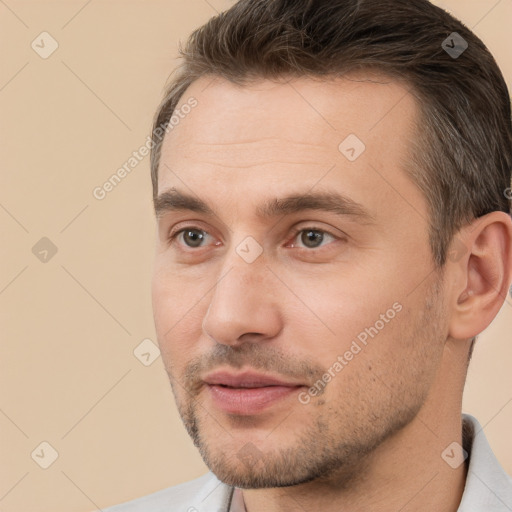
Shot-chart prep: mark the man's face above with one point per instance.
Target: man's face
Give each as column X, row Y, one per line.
column 337, row 302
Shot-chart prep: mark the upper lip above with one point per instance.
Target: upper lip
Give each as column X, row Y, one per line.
column 247, row 379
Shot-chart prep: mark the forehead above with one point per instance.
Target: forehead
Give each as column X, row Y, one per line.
column 310, row 110
column 264, row 135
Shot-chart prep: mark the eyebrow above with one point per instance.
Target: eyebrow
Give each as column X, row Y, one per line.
column 175, row 200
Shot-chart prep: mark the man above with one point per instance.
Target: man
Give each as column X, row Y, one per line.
column 331, row 187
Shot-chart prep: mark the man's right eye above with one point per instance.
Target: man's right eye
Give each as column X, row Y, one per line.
column 191, row 237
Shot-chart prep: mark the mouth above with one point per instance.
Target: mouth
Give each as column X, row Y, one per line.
column 247, row 393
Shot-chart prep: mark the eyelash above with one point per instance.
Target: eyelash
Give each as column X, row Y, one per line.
column 173, row 236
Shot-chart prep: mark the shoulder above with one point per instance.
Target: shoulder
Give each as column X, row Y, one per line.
column 204, row 494
column 488, row 487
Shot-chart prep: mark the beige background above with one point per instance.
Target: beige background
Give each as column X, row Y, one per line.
column 69, row 326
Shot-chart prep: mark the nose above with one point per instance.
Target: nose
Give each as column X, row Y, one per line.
column 244, row 306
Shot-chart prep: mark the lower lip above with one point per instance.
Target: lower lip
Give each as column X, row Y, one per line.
column 246, row 401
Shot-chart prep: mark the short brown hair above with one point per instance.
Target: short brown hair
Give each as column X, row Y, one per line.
column 461, row 157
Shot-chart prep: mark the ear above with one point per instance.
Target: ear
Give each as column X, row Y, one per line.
column 480, row 263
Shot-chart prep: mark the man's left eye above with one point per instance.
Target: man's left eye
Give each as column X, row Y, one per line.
column 312, row 238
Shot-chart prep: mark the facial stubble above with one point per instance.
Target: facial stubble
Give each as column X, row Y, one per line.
column 335, row 442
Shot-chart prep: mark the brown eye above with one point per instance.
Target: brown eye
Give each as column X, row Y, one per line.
column 190, row 237
column 312, row 238
column 193, row 237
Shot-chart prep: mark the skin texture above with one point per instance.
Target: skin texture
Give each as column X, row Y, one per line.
column 374, row 436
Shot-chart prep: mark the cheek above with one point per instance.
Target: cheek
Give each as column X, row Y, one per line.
column 340, row 309
column 371, row 374
column 173, row 296
column 357, row 332
column 177, row 313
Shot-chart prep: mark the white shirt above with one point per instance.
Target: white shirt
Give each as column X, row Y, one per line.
column 488, row 488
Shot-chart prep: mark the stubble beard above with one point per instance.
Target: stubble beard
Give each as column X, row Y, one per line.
column 318, row 452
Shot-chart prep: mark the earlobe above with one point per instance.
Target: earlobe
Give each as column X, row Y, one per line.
column 483, row 274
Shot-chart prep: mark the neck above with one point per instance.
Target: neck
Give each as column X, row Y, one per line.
column 406, row 473
column 402, row 474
